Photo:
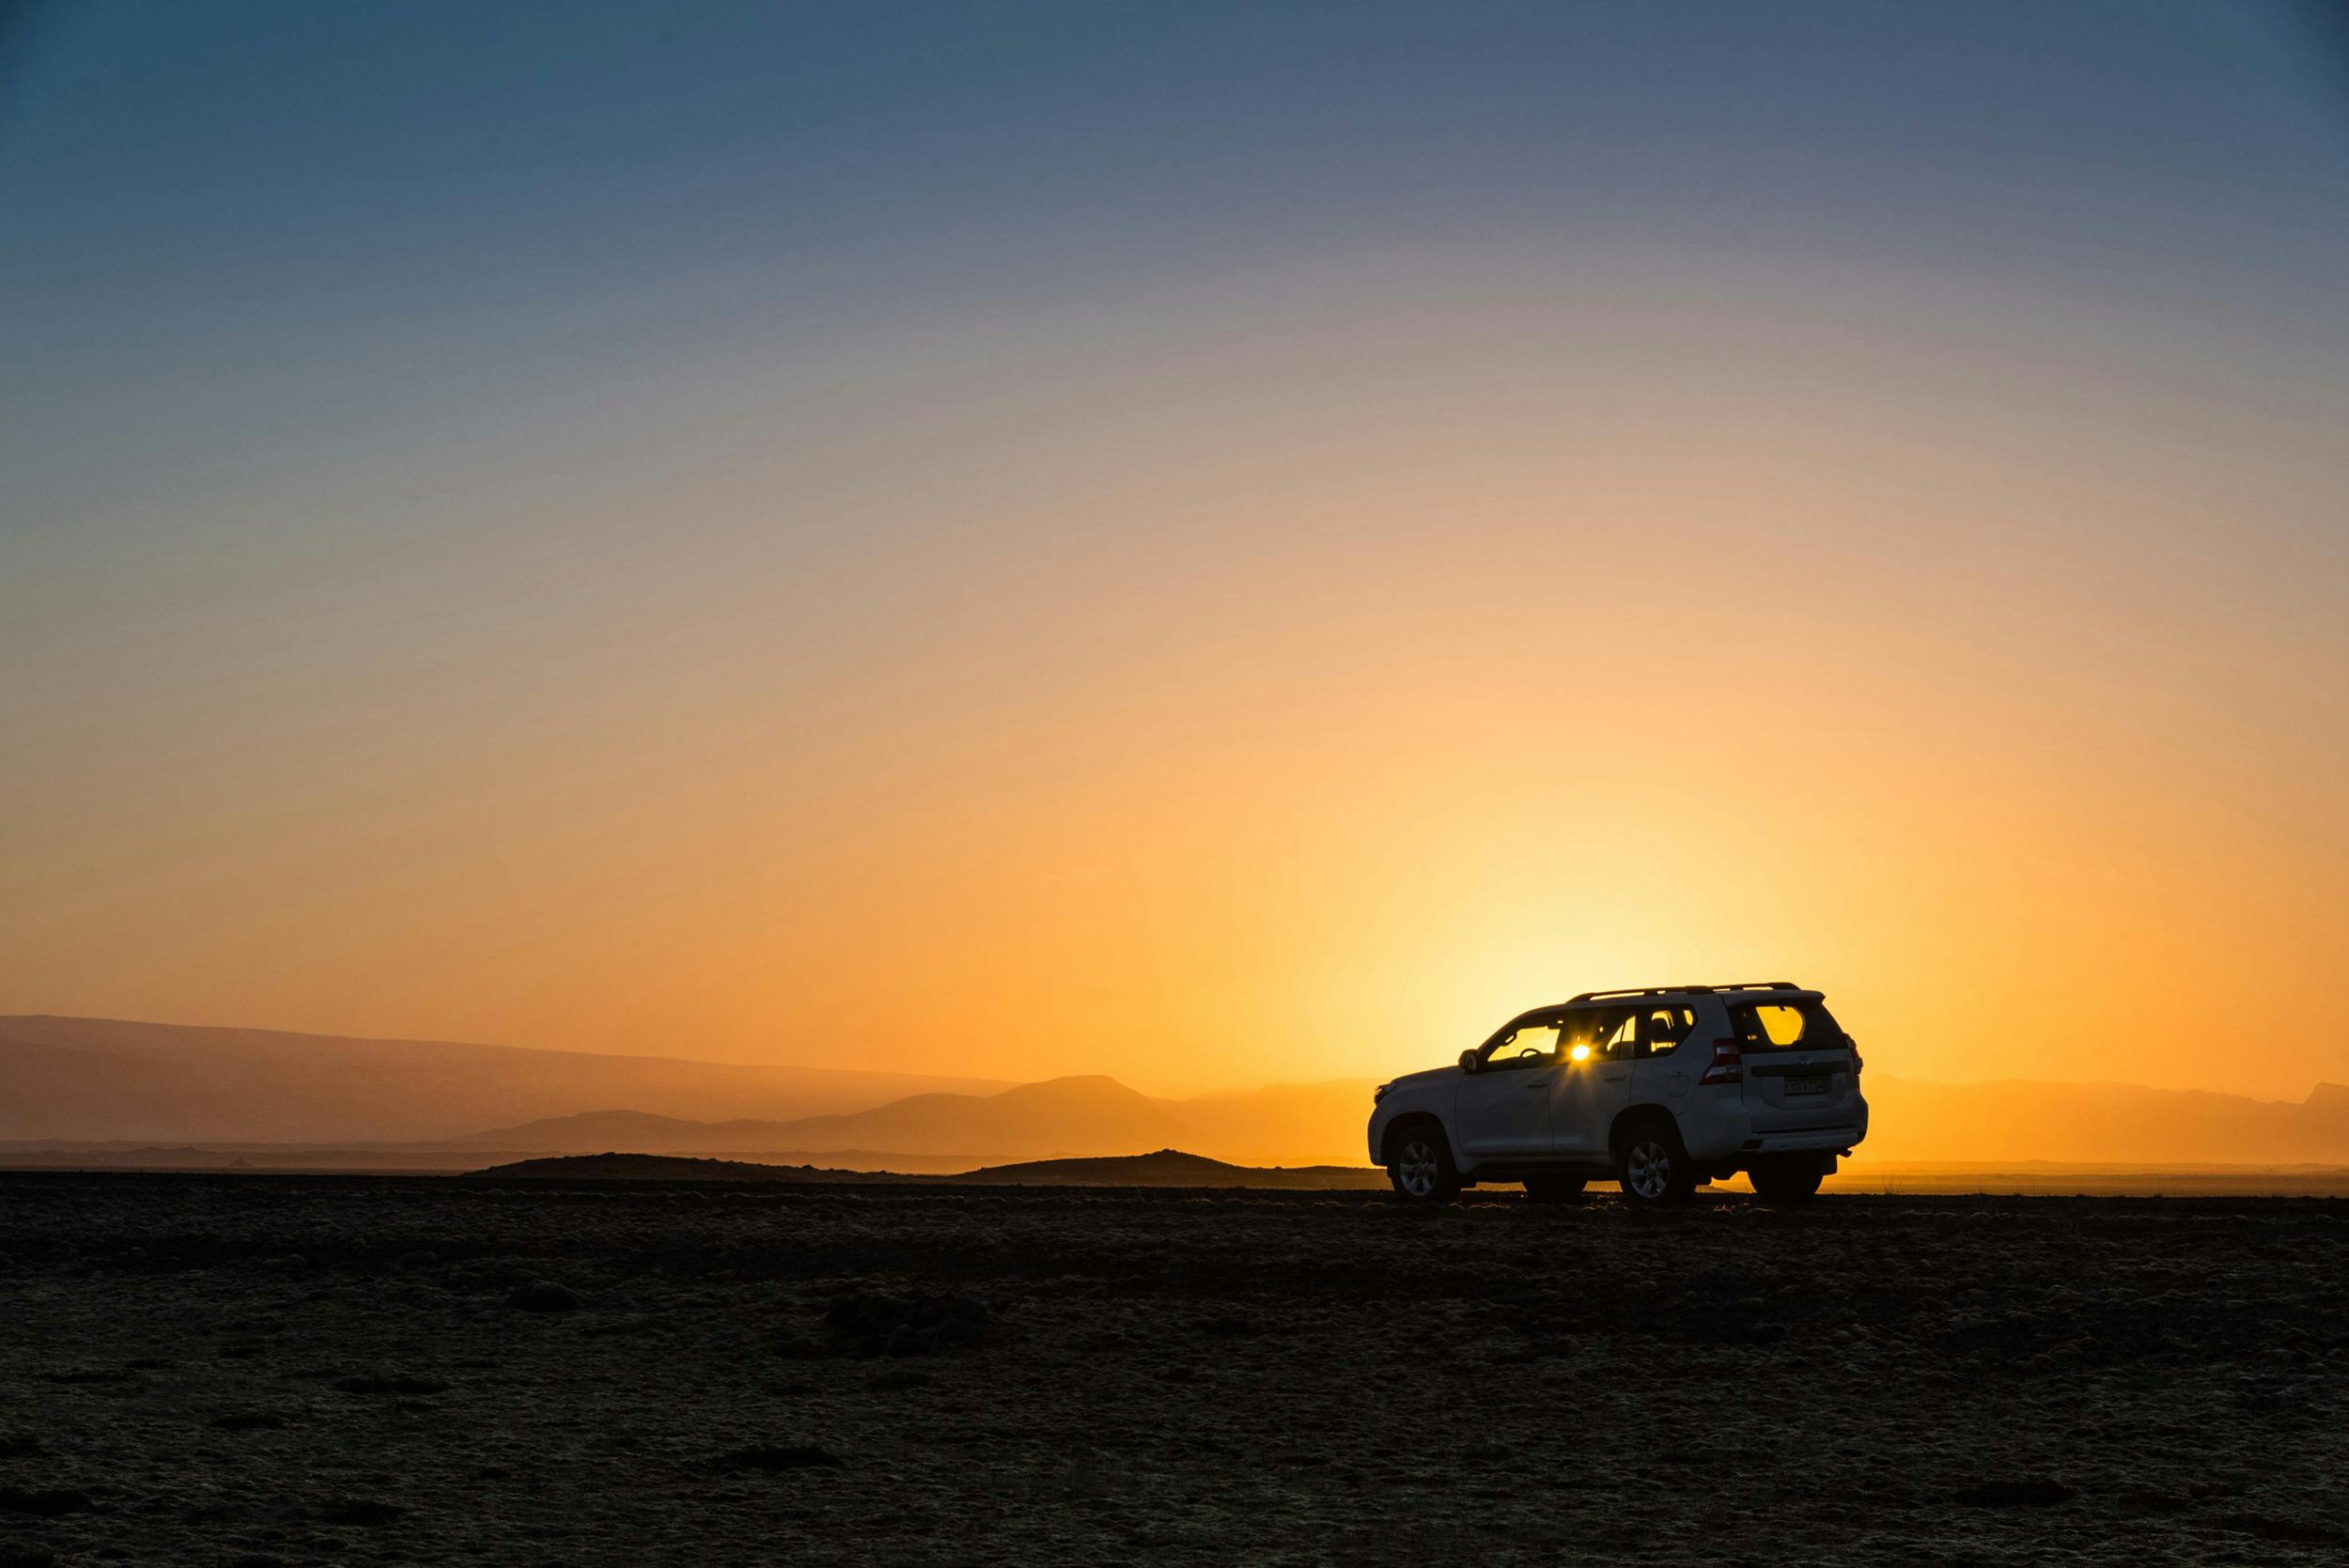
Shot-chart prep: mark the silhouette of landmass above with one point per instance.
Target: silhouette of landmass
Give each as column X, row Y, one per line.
column 91, row 1088
column 108, row 1093
column 1913, row 1122
column 1169, row 1168
column 113, row 1079
column 678, row 1168
column 1064, row 1115
column 1082, row 1116
column 1172, row 1168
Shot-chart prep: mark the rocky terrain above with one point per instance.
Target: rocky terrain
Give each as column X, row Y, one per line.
column 272, row 1369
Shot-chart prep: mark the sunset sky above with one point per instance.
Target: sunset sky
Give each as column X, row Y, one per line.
column 1208, row 544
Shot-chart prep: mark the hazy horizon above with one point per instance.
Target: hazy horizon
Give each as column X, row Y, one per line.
column 1143, row 1085
column 1213, row 545
column 447, row 1106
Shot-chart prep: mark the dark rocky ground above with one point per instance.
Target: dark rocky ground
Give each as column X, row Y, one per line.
column 266, row 1370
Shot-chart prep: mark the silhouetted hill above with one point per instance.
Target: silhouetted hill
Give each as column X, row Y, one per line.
column 1296, row 1123
column 110, row 1078
column 1322, row 1124
column 1056, row 1116
column 2328, row 1099
column 1170, row 1168
column 1088, row 1115
column 1164, row 1168
column 677, row 1168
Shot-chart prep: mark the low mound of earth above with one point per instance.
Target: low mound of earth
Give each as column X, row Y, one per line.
column 1171, row 1168
column 300, row 1371
column 1167, row 1168
column 674, row 1168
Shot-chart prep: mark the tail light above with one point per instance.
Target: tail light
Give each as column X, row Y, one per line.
column 1728, row 1064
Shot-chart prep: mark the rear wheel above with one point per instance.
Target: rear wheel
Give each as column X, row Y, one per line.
column 1652, row 1165
column 1421, row 1166
column 1786, row 1180
column 1553, row 1190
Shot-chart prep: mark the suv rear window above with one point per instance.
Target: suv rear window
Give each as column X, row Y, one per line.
column 1785, row 1026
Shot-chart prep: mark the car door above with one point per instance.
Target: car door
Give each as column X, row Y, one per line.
column 1601, row 1047
column 1503, row 1108
column 1663, row 1073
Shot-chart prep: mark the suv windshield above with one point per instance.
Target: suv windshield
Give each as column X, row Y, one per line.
column 1785, row 1026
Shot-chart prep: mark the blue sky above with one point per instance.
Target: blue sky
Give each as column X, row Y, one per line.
column 235, row 226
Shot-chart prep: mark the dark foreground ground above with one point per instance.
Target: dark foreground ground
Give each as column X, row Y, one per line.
column 266, row 1369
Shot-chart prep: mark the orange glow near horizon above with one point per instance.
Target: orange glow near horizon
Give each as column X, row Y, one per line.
column 1260, row 712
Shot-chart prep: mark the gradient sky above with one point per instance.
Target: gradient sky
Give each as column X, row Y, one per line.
column 1211, row 544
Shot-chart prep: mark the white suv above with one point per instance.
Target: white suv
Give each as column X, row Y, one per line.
column 1657, row 1088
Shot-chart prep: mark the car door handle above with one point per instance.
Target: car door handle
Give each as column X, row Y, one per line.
column 1616, row 1077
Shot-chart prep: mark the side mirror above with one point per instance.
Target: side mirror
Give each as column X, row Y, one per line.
column 1467, row 1061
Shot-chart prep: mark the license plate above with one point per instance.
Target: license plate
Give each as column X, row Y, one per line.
column 1815, row 1085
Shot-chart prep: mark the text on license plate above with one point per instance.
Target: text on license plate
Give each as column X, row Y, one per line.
column 1814, row 1083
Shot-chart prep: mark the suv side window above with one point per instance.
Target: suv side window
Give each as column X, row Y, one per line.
column 1603, row 1034
column 1534, row 1045
column 1621, row 1034
column 1621, row 1042
column 1662, row 1029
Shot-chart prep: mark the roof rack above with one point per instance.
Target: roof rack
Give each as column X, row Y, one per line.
column 1678, row 990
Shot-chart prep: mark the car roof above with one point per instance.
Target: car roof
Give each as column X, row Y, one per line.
column 1742, row 987
column 1779, row 991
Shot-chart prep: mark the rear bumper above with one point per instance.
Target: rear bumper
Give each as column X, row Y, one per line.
column 1734, row 1138
column 1809, row 1141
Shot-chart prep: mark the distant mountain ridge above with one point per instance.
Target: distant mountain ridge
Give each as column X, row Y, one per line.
column 117, row 1079
column 1164, row 1168
column 1087, row 1114
column 117, row 1082
column 110, row 1081
column 1083, row 1116
column 1911, row 1120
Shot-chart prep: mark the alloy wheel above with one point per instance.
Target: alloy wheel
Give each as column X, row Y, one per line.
column 1648, row 1168
column 1415, row 1169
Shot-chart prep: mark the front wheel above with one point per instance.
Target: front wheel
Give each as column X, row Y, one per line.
column 1652, row 1167
column 1785, row 1181
column 1421, row 1167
